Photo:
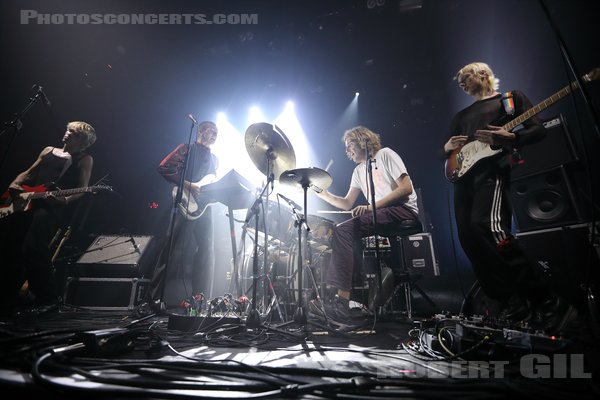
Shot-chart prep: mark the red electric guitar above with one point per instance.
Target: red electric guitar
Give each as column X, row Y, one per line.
column 9, row 206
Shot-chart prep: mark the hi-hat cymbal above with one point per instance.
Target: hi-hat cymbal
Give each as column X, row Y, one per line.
column 314, row 178
column 266, row 143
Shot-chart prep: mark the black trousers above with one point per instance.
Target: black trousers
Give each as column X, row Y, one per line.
column 25, row 253
column 193, row 252
column 484, row 217
column 346, row 242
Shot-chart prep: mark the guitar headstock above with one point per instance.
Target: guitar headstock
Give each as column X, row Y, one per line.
column 592, row 75
column 101, row 188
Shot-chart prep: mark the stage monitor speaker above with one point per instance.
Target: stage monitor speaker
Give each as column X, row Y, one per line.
column 554, row 150
column 544, row 201
column 566, row 257
column 115, row 256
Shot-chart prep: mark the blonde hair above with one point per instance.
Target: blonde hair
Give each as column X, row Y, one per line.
column 483, row 70
column 85, row 128
column 358, row 134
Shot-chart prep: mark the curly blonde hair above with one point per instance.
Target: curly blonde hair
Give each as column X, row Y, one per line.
column 358, row 134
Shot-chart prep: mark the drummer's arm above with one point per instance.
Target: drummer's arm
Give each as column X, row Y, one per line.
column 345, row 203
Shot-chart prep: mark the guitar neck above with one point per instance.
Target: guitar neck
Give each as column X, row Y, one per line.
column 541, row 106
column 61, row 193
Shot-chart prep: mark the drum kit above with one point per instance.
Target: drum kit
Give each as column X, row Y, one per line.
column 284, row 236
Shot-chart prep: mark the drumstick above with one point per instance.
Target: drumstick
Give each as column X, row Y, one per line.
column 329, row 164
column 334, row 212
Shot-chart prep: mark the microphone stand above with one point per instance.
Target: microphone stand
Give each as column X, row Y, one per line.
column 590, row 290
column 159, row 303
column 16, row 123
column 377, row 298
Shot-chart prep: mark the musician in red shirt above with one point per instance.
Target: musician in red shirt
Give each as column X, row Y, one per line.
column 193, row 242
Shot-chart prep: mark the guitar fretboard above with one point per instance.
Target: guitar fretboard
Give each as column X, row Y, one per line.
column 541, row 106
column 66, row 192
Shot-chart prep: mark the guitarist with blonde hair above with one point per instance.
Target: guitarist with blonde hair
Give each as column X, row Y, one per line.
column 26, row 235
column 482, row 200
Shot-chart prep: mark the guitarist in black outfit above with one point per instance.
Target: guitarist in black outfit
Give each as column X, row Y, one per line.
column 482, row 202
column 193, row 246
column 25, row 236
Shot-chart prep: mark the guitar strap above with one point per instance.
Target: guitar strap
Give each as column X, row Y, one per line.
column 508, row 103
column 509, row 108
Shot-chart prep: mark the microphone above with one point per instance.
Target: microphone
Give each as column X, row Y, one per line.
column 135, row 245
column 190, row 116
column 40, row 92
column 292, row 203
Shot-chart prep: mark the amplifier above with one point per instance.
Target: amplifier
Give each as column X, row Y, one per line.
column 115, row 256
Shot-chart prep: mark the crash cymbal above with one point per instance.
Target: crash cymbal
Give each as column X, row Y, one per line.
column 314, row 178
column 267, row 143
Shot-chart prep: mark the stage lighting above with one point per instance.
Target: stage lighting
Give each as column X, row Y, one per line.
column 256, row 115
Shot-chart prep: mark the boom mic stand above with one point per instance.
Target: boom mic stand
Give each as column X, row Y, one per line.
column 158, row 305
column 16, row 124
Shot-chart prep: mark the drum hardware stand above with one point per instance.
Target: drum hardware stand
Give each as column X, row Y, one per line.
column 271, row 152
column 253, row 319
column 275, row 299
column 306, row 178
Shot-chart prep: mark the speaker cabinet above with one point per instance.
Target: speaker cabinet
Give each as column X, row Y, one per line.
column 115, row 256
column 544, row 201
column 554, row 150
column 566, row 257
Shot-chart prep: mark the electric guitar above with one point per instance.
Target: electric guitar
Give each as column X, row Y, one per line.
column 193, row 206
column 9, row 205
column 464, row 158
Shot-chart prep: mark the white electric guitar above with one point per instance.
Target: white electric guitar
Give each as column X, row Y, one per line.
column 194, row 202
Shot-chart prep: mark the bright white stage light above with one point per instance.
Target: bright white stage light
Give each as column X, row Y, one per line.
column 255, row 115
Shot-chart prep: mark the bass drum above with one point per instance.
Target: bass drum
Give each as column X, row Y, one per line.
column 280, row 271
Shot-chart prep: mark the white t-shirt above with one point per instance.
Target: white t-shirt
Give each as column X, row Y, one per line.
column 387, row 168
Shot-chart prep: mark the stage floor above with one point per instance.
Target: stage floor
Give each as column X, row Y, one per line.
column 74, row 353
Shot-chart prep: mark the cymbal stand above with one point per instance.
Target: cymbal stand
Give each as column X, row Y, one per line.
column 253, row 319
column 300, row 316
